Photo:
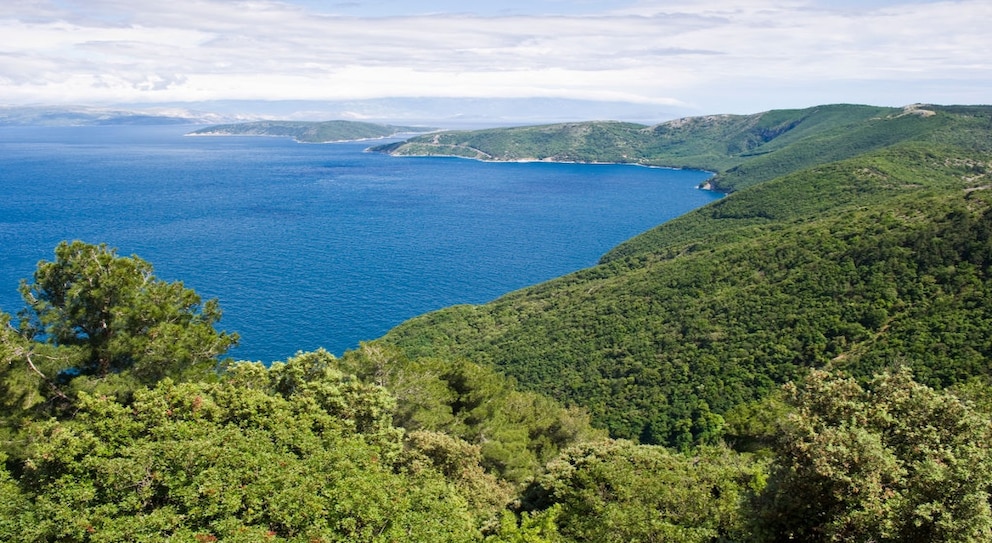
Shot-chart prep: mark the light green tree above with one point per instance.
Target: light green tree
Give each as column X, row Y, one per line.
column 892, row 460
column 529, row 528
column 619, row 491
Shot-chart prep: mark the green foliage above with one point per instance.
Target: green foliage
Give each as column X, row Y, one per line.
column 891, row 461
column 619, row 491
column 296, row 453
column 20, row 385
column 461, row 464
column 121, row 316
column 754, row 426
column 516, row 431
column 308, row 132
column 534, row 527
column 15, row 510
column 977, row 391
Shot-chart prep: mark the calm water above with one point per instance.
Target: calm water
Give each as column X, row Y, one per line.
column 316, row 245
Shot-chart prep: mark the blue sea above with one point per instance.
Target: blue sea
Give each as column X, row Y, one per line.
column 309, row 246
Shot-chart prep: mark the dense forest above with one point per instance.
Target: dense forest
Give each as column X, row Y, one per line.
column 804, row 359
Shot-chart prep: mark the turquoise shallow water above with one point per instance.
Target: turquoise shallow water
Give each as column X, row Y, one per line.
column 312, row 246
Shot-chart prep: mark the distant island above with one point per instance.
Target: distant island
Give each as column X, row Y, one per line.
column 310, row 132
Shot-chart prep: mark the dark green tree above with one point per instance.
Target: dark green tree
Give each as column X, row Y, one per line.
column 15, row 510
column 120, row 315
column 893, row 460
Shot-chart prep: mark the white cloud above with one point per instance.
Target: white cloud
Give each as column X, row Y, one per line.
column 701, row 53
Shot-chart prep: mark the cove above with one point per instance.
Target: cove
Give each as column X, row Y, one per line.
column 309, row 246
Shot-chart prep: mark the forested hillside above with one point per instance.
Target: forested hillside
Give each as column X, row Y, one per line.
column 742, row 149
column 805, row 359
column 863, row 264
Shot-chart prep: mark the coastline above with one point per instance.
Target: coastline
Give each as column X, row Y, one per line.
column 294, row 138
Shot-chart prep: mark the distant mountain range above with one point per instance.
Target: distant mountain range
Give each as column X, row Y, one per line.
column 94, row 116
column 446, row 112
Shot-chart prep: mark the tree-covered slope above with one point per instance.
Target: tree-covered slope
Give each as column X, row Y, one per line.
column 742, row 149
column 308, row 132
column 874, row 261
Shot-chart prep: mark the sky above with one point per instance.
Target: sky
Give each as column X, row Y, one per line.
column 667, row 57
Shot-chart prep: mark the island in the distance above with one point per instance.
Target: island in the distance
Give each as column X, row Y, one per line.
column 310, row 132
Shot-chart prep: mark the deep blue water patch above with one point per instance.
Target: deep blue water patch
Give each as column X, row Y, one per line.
column 312, row 246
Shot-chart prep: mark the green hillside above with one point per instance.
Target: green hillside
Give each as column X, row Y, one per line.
column 862, row 264
column 308, row 132
column 602, row 141
column 742, row 149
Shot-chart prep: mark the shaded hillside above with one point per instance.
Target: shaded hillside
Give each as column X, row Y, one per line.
column 878, row 260
column 308, row 132
column 742, row 149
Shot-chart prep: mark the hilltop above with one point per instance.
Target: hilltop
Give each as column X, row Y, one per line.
column 309, row 132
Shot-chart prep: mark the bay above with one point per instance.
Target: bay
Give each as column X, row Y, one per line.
column 309, row 246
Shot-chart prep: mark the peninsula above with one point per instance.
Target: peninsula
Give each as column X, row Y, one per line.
column 742, row 149
column 310, row 132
